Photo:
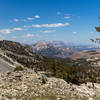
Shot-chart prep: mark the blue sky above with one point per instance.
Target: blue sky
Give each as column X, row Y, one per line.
column 29, row 21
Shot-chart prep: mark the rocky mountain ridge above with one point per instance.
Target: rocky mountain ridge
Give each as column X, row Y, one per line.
column 13, row 54
column 52, row 50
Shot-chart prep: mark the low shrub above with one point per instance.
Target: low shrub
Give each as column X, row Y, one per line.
column 18, row 68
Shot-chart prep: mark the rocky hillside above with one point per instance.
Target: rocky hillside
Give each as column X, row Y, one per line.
column 52, row 50
column 5, row 66
column 28, row 85
column 13, row 54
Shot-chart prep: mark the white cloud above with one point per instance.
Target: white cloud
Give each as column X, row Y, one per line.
column 16, row 20
column 26, row 27
column 8, row 31
column 58, row 13
column 74, row 32
column 67, row 17
column 24, row 20
column 17, row 29
column 36, row 26
column 37, row 16
column 52, row 25
column 30, row 18
column 29, row 35
column 91, row 32
column 48, row 31
column 14, row 37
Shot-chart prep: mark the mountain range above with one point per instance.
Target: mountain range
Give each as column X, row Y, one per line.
column 59, row 49
column 53, row 50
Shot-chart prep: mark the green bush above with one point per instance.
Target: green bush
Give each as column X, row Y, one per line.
column 44, row 79
column 18, row 68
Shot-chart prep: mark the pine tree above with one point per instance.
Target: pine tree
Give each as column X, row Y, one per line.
column 97, row 40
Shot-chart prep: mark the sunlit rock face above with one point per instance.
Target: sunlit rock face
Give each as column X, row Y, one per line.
column 53, row 50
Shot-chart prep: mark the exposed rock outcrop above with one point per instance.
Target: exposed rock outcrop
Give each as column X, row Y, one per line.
column 28, row 85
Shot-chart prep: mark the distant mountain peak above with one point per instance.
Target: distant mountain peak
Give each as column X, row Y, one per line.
column 52, row 49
